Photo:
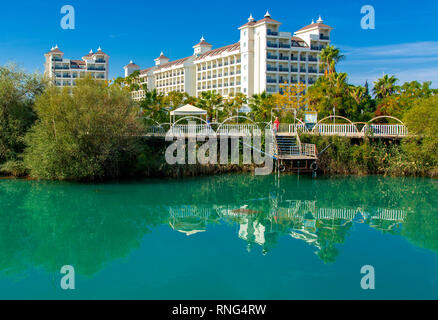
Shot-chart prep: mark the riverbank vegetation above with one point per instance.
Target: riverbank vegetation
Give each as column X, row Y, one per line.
column 89, row 133
column 92, row 131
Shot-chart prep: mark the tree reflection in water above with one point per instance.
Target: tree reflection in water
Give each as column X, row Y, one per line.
column 44, row 224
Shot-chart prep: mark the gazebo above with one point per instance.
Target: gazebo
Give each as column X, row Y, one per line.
column 187, row 110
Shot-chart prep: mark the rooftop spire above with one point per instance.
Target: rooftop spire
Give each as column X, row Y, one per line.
column 250, row 19
column 202, row 39
column 99, row 49
column 313, row 21
column 267, row 15
column 320, row 20
column 91, row 51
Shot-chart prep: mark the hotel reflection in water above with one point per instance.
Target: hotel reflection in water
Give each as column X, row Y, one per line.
column 263, row 222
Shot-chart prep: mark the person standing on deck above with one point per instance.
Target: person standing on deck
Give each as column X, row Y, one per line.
column 276, row 124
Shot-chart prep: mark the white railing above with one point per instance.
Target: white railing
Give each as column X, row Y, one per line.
column 323, row 129
column 295, row 128
column 191, row 129
column 336, row 129
column 290, row 150
column 238, row 129
column 155, row 130
column 386, row 130
column 308, row 149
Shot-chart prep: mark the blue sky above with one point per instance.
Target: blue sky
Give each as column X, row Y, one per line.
column 405, row 41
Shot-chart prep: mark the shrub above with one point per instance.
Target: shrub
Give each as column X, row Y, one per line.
column 17, row 95
column 86, row 134
column 14, row 168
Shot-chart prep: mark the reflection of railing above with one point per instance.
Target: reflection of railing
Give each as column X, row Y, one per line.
column 189, row 211
column 390, row 215
column 293, row 209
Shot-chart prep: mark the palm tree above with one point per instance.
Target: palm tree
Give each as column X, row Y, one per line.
column 174, row 99
column 236, row 102
column 210, row 101
column 357, row 93
column 133, row 80
column 152, row 106
column 261, row 106
column 330, row 57
column 385, row 87
column 188, row 99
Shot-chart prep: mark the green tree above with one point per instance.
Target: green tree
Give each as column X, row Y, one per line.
column 210, row 101
column 261, row 106
column 153, row 107
column 18, row 91
column 385, row 86
column 88, row 134
column 233, row 105
column 330, row 57
column 331, row 92
column 422, row 121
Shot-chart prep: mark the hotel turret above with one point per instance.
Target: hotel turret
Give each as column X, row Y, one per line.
column 64, row 72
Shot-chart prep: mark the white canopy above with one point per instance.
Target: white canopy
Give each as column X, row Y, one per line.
column 188, row 110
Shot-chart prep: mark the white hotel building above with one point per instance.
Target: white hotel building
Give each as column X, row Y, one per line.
column 64, row 72
column 264, row 58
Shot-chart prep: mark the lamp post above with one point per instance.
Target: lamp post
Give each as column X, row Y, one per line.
column 334, row 115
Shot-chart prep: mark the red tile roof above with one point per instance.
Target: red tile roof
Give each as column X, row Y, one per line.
column 162, row 56
column 173, row 63
column 132, row 65
column 249, row 23
column 203, row 43
column 215, row 52
column 268, row 20
column 314, row 25
column 299, row 41
column 78, row 62
column 100, row 52
column 144, row 71
column 54, row 50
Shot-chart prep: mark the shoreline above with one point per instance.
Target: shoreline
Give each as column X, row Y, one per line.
column 216, row 172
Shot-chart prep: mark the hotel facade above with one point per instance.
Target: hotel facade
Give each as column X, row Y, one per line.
column 264, row 58
column 64, row 72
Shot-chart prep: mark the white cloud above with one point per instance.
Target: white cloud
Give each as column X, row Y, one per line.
column 414, row 49
column 407, row 61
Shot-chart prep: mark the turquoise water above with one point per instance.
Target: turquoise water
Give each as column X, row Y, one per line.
column 226, row 237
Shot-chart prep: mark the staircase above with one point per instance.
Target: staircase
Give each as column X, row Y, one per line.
column 287, row 145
